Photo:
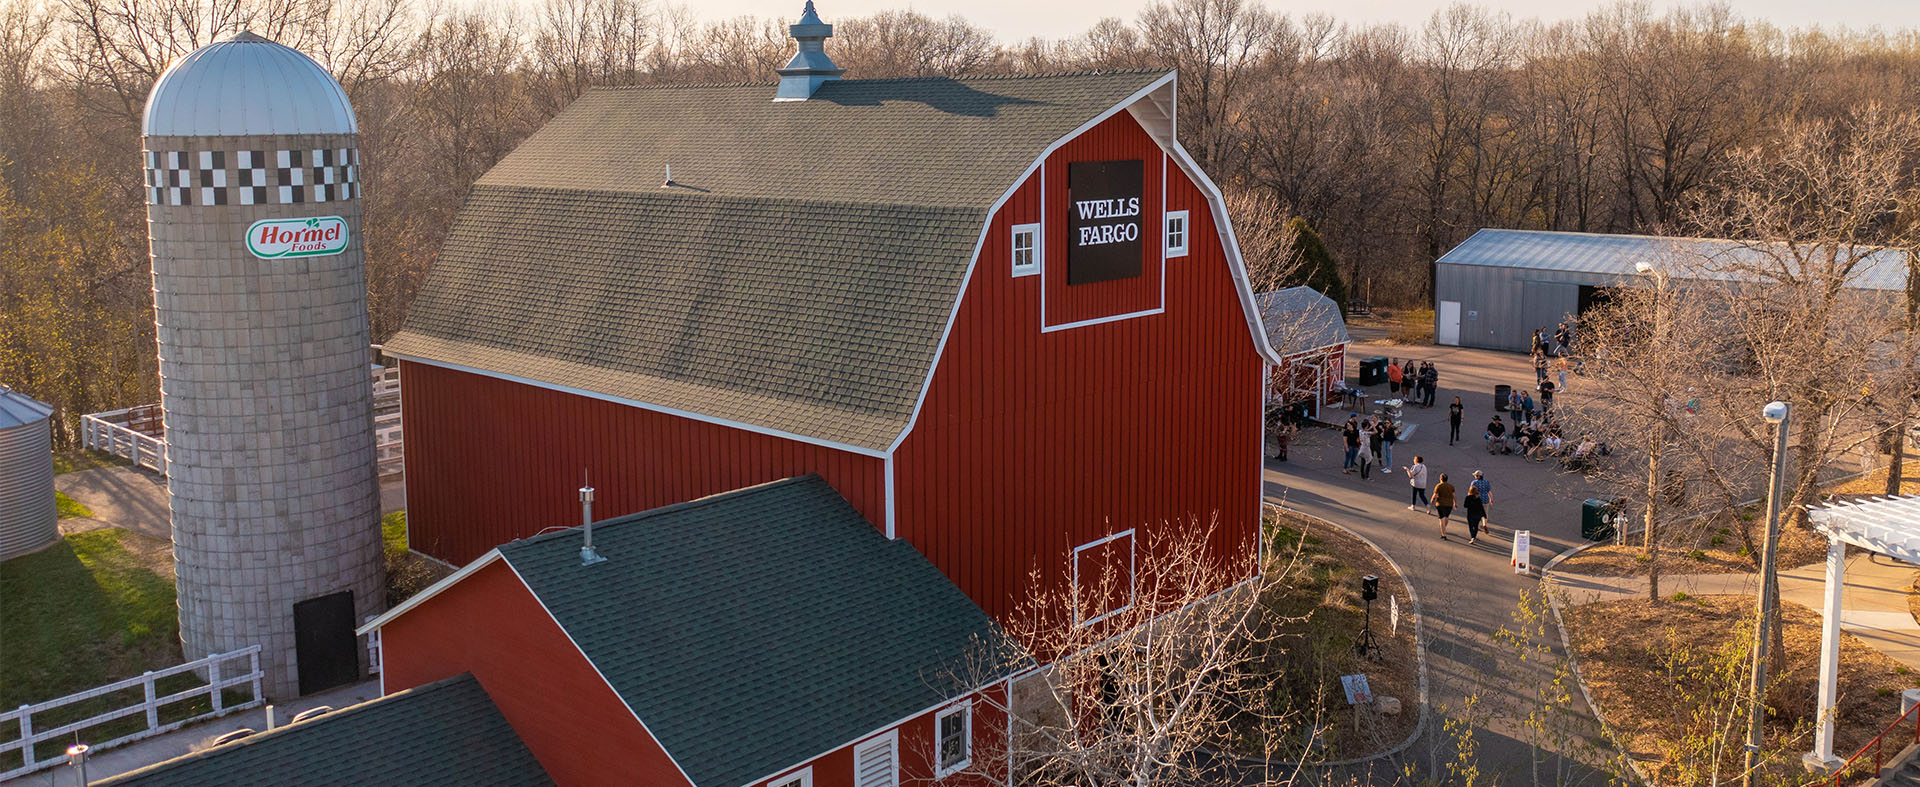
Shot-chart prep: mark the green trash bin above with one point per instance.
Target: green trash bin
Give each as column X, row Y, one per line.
column 1597, row 518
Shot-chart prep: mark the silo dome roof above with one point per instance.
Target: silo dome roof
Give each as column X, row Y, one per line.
column 247, row 85
column 17, row 409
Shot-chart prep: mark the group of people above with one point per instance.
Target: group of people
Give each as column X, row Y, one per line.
column 1441, row 499
column 1559, row 343
column 1416, row 381
column 1369, row 442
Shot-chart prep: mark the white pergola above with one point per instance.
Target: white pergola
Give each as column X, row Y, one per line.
column 1887, row 525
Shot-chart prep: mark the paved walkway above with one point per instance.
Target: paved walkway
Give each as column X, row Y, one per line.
column 1873, row 606
column 136, row 500
column 140, row 754
column 1467, row 591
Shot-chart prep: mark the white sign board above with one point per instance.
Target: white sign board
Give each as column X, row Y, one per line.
column 1522, row 550
column 1357, row 691
column 319, row 236
column 1393, row 612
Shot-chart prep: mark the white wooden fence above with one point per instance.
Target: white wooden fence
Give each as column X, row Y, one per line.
column 111, row 433
column 108, row 433
column 219, row 678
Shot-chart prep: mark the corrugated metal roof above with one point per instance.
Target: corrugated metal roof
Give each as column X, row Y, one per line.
column 18, row 409
column 1299, row 319
column 1618, row 254
column 247, row 85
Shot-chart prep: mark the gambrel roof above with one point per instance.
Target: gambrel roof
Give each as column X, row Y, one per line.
column 796, row 277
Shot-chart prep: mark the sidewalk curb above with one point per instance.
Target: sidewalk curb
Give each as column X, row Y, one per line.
column 1419, row 650
column 1580, row 678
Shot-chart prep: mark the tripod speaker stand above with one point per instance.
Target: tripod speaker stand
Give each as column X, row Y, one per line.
column 1369, row 590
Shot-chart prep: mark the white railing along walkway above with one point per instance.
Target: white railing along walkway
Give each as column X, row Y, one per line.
column 27, row 736
column 108, row 433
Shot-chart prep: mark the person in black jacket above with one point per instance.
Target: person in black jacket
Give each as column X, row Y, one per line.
column 1455, row 412
column 1476, row 512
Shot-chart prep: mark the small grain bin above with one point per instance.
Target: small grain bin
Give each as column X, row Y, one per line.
column 29, row 520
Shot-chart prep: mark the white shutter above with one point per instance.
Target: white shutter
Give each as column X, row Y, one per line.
column 875, row 763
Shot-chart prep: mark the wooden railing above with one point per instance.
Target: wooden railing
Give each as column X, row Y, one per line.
column 150, row 708
column 1896, row 734
column 110, row 432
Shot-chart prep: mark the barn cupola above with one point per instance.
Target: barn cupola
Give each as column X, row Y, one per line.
column 810, row 67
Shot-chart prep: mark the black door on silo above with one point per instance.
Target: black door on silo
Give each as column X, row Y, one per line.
column 323, row 642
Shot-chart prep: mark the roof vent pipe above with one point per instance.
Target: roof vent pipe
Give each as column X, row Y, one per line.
column 810, row 67
column 588, row 557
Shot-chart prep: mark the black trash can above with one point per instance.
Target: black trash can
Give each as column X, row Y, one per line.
column 1373, row 371
column 1597, row 518
column 1500, row 393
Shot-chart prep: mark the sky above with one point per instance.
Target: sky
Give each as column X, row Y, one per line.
column 1014, row 20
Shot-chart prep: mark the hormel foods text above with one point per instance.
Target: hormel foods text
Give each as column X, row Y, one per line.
column 272, row 239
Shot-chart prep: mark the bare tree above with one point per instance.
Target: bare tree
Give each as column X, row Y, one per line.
column 1152, row 692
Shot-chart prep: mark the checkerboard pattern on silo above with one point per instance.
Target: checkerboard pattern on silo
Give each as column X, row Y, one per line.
column 280, row 176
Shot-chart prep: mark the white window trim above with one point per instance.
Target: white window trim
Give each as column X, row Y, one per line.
column 966, row 732
column 1133, row 579
column 1039, row 248
column 799, row 778
column 1186, row 233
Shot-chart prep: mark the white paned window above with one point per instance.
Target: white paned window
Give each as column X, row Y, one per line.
column 953, row 739
column 1026, row 249
column 800, row 778
column 1177, row 233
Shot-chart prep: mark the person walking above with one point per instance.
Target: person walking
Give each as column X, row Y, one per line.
column 1417, row 479
column 1476, row 511
column 1443, row 504
column 1394, row 376
column 1481, row 485
column 1351, row 433
column 1430, row 377
column 1455, row 412
column 1563, row 364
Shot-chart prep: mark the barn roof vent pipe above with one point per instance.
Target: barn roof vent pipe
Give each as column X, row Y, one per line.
column 810, row 67
column 588, row 557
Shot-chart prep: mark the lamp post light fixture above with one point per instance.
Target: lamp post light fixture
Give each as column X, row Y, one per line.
column 1776, row 413
column 77, row 755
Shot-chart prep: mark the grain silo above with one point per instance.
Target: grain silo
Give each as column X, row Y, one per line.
column 29, row 520
column 253, row 210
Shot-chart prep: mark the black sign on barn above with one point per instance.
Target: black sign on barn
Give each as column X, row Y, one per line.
column 1104, row 221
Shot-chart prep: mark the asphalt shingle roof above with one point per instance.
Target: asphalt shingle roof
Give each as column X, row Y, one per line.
column 799, row 277
column 755, row 629
column 443, row 734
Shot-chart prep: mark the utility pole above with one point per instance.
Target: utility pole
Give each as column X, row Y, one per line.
column 1776, row 413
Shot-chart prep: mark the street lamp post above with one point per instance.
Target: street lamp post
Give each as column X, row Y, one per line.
column 1776, row 413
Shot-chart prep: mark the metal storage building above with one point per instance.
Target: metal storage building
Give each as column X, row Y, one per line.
column 1492, row 290
column 29, row 519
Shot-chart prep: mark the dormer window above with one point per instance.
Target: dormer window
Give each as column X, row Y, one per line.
column 1177, row 233
column 1026, row 249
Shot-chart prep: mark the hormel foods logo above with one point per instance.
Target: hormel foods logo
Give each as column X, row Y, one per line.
column 272, row 239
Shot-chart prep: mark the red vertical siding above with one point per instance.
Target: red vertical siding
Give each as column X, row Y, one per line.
column 491, row 626
column 1114, row 139
column 489, row 460
column 916, row 750
column 1031, row 443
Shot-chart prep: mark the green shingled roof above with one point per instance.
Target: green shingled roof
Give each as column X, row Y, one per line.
column 445, row 734
column 799, row 277
column 752, row 630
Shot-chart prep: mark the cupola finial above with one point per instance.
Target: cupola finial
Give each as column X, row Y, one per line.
column 810, row 67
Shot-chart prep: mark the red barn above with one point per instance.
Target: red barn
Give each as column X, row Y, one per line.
column 998, row 324
column 886, row 284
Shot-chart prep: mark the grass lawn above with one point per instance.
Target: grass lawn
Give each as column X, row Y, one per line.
column 1656, row 671
column 1322, row 603
column 82, row 459
column 71, row 508
column 95, row 608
